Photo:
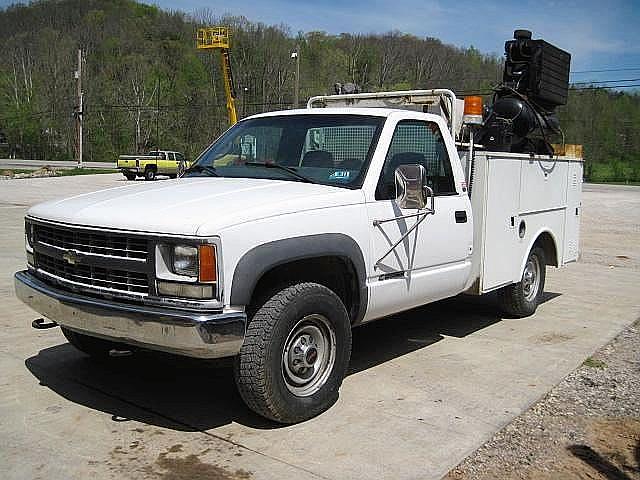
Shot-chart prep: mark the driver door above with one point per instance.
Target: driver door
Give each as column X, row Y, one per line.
column 433, row 260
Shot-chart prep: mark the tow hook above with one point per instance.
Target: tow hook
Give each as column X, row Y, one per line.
column 114, row 352
column 42, row 324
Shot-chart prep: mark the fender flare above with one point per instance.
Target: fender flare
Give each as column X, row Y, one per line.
column 534, row 239
column 259, row 260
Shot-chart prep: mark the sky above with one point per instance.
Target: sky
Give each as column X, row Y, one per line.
column 600, row 35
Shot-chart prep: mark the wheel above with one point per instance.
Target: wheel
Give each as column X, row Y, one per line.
column 149, row 174
column 130, row 176
column 295, row 354
column 521, row 299
column 92, row 346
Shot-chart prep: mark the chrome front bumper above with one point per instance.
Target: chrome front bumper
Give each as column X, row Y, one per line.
column 184, row 332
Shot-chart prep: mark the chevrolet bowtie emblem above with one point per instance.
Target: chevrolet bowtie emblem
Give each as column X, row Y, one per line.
column 71, row 256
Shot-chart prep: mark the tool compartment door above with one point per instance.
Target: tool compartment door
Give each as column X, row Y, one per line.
column 573, row 212
column 502, row 197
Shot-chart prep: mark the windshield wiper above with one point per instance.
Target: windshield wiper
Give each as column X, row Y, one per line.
column 284, row 168
column 196, row 167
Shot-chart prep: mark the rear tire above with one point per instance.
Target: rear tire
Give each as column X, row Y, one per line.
column 150, row 174
column 521, row 299
column 92, row 346
column 295, row 354
column 130, row 176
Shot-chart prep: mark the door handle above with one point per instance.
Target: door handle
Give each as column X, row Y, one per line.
column 461, row 216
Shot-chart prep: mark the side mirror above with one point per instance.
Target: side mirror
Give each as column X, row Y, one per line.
column 411, row 191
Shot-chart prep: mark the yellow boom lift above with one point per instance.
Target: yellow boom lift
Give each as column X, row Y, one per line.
column 218, row 38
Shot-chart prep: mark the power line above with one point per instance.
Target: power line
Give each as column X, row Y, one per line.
column 606, row 81
column 608, row 70
column 599, row 87
column 577, row 89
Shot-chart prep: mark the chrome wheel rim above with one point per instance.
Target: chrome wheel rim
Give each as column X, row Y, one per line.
column 309, row 355
column 531, row 278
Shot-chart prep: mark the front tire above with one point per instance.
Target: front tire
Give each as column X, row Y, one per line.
column 521, row 299
column 295, row 354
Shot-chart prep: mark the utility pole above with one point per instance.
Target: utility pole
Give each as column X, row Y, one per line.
column 296, row 92
column 158, row 114
column 79, row 112
column 245, row 90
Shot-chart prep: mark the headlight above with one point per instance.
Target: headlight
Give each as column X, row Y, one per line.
column 185, row 261
column 187, row 271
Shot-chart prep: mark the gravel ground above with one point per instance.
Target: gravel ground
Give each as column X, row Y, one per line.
column 587, row 427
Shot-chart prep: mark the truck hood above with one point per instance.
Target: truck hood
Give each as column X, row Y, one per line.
column 192, row 206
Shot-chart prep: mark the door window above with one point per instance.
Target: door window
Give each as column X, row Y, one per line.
column 417, row 142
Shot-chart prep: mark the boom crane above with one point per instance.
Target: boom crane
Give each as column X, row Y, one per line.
column 218, row 38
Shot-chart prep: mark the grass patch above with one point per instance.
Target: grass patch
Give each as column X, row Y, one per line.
column 15, row 171
column 613, row 171
column 614, row 183
column 594, row 363
column 84, row 171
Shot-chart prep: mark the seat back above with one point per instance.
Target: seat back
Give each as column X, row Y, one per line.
column 317, row 159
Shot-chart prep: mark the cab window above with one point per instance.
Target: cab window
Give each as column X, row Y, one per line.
column 257, row 144
column 417, row 142
column 322, row 148
column 343, row 147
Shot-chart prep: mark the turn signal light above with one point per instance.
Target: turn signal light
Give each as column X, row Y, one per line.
column 207, row 263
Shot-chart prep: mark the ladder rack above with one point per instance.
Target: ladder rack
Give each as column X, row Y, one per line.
column 439, row 101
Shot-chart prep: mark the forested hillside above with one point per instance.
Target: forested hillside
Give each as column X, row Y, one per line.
column 145, row 83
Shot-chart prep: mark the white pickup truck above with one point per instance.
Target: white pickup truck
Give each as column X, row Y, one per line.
column 292, row 228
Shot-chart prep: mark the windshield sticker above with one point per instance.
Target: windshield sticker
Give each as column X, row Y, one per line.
column 340, row 175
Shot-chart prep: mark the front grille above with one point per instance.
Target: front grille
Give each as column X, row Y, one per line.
column 105, row 263
column 93, row 276
column 88, row 241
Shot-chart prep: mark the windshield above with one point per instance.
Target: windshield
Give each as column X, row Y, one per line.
column 326, row 149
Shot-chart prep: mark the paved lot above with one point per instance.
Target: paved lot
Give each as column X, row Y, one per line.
column 425, row 388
